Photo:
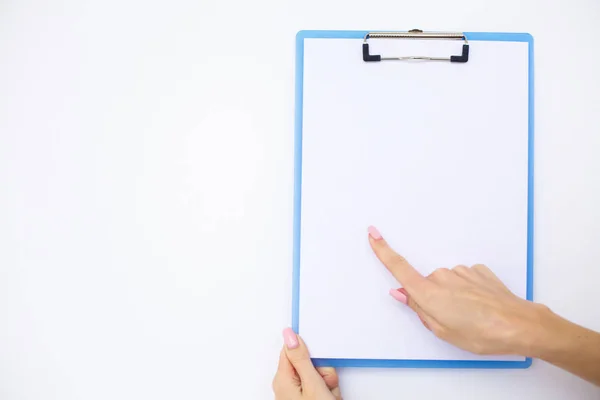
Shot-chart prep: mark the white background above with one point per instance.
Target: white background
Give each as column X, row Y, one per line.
column 146, row 192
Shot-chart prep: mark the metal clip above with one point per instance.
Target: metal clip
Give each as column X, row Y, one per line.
column 416, row 34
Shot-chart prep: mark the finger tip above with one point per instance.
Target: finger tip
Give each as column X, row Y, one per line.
column 374, row 233
column 398, row 296
column 290, row 338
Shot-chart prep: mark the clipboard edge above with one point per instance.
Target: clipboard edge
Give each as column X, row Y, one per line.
column 386, row 363
column 458, row 364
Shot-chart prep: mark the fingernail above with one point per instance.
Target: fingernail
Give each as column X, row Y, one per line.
column 290, row 339
column 374, row 233
column 398, row 295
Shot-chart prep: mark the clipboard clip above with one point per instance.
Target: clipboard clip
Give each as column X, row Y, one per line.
column 416, row 34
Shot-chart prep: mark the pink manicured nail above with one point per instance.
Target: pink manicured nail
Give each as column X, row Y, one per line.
column 374, row 233
column 290, row 339
column 398, row 295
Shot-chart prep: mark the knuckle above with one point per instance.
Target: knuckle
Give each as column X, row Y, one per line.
column 399, row 258
column 542, row 308
column 440, row 273
column 429, row 297
column 461, row 268
column 299, row 357
column 396, row 259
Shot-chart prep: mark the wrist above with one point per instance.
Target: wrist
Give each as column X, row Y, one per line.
column 534, row 330
column 568, row 346
column 550, row 335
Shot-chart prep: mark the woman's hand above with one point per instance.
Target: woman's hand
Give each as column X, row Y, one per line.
column 467, row 307
column 297, row 378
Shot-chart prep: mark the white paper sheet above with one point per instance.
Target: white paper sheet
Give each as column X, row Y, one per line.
column 435, row 156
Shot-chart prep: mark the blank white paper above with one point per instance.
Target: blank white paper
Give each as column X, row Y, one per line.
column 433, row 154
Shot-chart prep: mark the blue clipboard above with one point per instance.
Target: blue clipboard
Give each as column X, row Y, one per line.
column 383, row 363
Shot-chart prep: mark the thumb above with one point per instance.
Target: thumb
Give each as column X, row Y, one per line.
column 297, row 353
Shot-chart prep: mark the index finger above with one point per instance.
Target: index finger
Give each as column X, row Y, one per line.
column 405, row 273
